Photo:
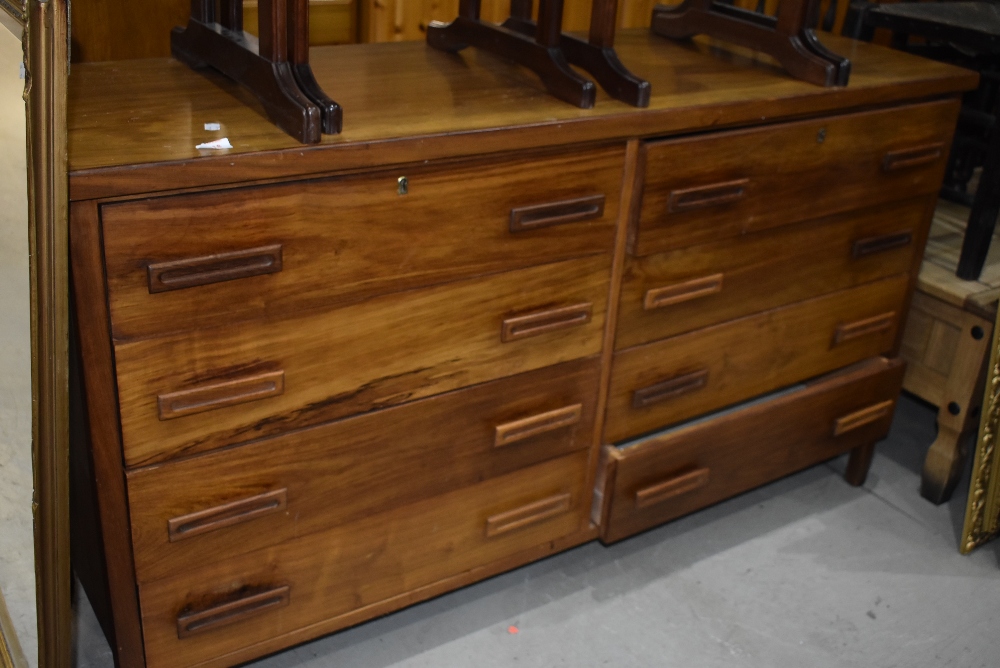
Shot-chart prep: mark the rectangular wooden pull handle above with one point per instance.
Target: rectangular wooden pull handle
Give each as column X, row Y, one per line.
column 226, row 515
column 668, row 489
column 532, row 217
column 525, row 515
column 529, row 427
column 880, row 244
column 858, row 328
column 219, row 395
column 194, row 271
column 190, row 623
column 670, row 388
column 682, row 292
column 542, row 322
column 912, row 157
column 701, row 197
column 860, row 418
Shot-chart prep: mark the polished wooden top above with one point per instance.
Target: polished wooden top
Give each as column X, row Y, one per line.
column 134, row 125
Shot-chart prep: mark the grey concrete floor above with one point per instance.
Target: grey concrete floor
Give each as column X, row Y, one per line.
column 806, row 572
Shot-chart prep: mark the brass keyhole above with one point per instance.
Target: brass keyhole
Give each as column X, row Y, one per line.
column 821, row 136
column 402, row 185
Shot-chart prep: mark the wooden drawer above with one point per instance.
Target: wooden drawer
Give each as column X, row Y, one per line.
column 351, row 567
column 235, row 500
column 671, row 380
column 702, row 188
column 678, row 291
column 187, row 393
column 692, row 466
column 193, row 261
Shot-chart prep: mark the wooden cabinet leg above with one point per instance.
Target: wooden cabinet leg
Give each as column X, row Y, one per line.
column 944, row 464
column 858, row 464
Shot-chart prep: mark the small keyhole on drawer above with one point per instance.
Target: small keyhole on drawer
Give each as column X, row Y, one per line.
column 821, row 136
column 402, row 185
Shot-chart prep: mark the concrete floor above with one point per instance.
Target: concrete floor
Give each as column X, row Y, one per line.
column 806, row 572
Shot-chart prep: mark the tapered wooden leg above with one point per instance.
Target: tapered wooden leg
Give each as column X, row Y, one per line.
column 944, row 464
column 298, row 56
column 597, row 55
column 858, row 464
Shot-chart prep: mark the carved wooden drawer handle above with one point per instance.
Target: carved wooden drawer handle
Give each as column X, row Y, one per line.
column 682, row 292
column 556, row 213
column 670, row 388
column 525, row 428
column 880, row 244
column 542, row 322
column 228, row 514
column 859, row 328
column 525, row 515
column 219, row 395
column 668, row 489
column 190, row 623
column 700, row 197
column 194, row 271
column 912, row 157
column 860, row 418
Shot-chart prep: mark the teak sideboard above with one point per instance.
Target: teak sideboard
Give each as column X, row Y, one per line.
column 319, row 384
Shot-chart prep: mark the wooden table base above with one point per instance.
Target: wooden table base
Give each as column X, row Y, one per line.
column 275, row 68
column 786, row 38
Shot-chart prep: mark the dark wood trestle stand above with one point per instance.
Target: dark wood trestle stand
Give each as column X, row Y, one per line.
column 274, row 67
column 787, row 37
column 542, row 47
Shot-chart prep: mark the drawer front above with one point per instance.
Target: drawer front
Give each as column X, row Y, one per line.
column 189, row 261
column 674, row 379
column 693, row 466
column 189, row 393
column 332, row 573
column 241, row 499
column 678, row 291
column 700, row 189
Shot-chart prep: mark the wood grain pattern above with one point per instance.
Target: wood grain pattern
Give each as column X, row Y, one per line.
column 761, row 353
column 104, row 439
column 792, row 172
column 349, row 567
column 470, row 104
column 351, row 238
column 745, row 448
column 760, row 273
column 348, row 470
column 415, row 344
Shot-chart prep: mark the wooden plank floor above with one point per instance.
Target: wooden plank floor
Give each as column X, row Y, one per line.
column 937, row 274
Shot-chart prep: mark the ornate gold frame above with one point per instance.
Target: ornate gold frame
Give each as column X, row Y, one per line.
column 46, row 47
column 982, row 516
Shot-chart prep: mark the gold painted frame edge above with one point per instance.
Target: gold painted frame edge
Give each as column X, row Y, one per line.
column 12, row 13
column 46, row 47
column 11, row 654
column 982, row 514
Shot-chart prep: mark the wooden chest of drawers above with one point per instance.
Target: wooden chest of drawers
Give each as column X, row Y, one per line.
column 322, row 384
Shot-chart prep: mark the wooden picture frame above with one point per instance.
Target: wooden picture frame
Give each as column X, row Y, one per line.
column 982, row 515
